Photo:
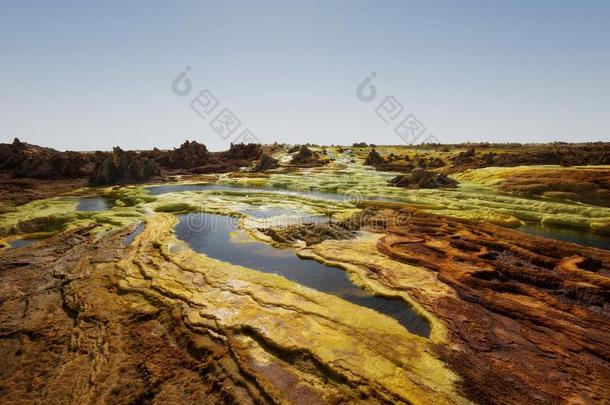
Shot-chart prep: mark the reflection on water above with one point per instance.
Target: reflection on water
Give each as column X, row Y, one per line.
column 213, row 238
column 264, row 217
column 257, row 213
column 178, row 188
column 129, row 238
column 94, row 204
column 18, row 243
column 269, row 212
column 569, row 235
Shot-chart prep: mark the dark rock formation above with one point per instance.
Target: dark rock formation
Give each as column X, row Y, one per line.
column 266, row 162
column 242, row 151
column 303, row 154
column 431, row 163
column 421, row 178
column 194, row 157
column 124, row 167
column 187, row 156
column 374, row 158
column 554, row 154
column 25, row 160
column 305, row 157
column 463, row 158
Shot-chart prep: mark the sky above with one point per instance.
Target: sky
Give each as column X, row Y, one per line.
column 92, row 75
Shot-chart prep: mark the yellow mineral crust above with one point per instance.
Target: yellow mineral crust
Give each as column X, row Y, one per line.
column 260, row 314
column 370, row 269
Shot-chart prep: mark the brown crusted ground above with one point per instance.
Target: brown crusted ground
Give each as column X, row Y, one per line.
column 17, row 191
column 66, row 336
column 532, row 321
column 510, row 155
column 590, row 186
column 460, row 157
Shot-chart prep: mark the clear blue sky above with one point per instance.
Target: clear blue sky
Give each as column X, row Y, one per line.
column 90, row 75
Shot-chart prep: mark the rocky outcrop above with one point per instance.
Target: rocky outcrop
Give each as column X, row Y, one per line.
column 123, row 167
column 189, row 155
column 243, row 151
column 427, row 162
column 193, row 157
column 266, row 162
column 421, row 178
column 25, row 160
column 464, row 158
column 374, row 158
column 396, row 163
column 550, row 154
column 305, row 157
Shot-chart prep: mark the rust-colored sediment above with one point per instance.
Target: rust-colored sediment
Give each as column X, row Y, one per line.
column 530, row 318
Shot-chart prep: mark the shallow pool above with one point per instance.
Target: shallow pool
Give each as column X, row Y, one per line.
column 127, row 240
column 18, row 243
column 211, row 234
column 94, row 204
column 568, row 234
column 178, row 188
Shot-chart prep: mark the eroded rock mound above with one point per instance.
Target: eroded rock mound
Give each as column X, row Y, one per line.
column 464, row 158
column 244, row 151
column 306, row 157
column 405, row 163
column 266, row 162
column 374, row 158
column 421, row 178
column 26, row 160
column 123, row 167
column 189, row 155
column 194, row 157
